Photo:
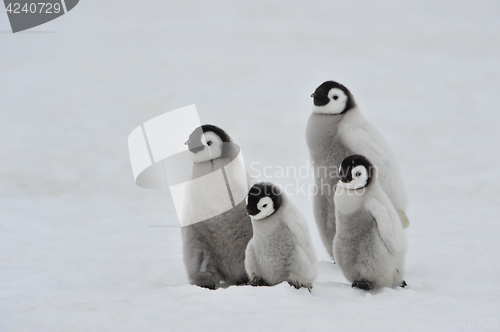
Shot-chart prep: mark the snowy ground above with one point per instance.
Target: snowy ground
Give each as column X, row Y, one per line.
column 83, row 248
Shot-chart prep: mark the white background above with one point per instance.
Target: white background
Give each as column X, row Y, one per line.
column 83, row 248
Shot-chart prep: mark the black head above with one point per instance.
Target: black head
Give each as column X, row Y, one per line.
column 194, row 142
column 264, row 199
column 335, row 101
column 356, row 172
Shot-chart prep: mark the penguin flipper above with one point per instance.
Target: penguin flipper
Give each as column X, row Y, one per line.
column 297, row 224
column 362, row 137
column 385, row 223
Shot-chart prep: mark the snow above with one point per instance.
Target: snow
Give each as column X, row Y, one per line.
column 83, row 248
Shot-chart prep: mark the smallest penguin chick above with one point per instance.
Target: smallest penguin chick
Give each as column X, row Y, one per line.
column 280, row 249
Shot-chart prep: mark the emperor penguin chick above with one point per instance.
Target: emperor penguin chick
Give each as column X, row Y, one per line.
column 214, row 249
column 336, row 130
column 280, row 249
column 369, row 246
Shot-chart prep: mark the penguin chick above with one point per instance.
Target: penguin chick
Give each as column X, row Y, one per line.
column 336, row 129
column 280, row 249
column 206, row 143
column 369, row 246
column 214, row 249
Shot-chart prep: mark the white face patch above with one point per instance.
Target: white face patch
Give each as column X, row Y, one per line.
column 266, row 208
column 212, row 148
column 359, row 178
column 336, row 105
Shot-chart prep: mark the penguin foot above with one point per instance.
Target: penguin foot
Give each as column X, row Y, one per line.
column 363, row 284
column 299, row 285
column 257, row 281
column 205, row 280
column 403, row 284
column 209, row 286
column 242, row 282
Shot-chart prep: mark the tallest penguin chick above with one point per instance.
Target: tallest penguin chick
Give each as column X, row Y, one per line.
column 336, row 130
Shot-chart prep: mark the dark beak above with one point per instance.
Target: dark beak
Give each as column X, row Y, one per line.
column 186, row 143
column 313, row 95
column 344, row 175
column 252, row 212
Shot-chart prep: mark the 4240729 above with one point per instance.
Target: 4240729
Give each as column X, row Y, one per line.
column 33, row 8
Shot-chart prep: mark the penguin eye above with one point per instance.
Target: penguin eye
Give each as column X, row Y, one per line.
column 265, row 205
column 335, row 97
column 358, row 173
column 209, row 143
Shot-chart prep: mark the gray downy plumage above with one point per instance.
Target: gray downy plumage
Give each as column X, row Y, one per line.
column 336, row 129
column 369, row 246
column 280, row 249
column 327, row 151
column 214, row 249
column 273, row 253
column 361, row 253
